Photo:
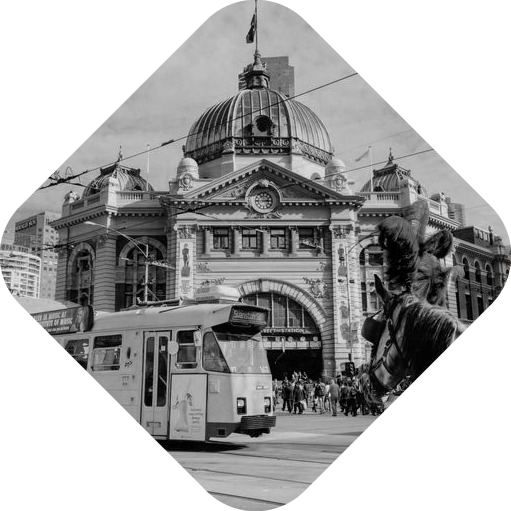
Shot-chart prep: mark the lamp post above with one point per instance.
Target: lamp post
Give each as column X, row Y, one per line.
column 144, row 251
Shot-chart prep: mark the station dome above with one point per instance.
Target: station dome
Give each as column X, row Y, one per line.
column 258, row 120
column 391, row 178
column 129, row 180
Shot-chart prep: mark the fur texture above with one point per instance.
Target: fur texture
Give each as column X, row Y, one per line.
column 413, row 262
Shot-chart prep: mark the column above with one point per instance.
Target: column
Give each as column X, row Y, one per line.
column 186, row 243
column 293, row 249
column 104, row 274
column 236, row 242
column 61, row 284
column 207, row 241
column 266, row 242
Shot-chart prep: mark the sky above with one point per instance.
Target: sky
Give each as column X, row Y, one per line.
column 203, row 71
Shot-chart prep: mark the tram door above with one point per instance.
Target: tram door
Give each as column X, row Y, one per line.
column 155, row 405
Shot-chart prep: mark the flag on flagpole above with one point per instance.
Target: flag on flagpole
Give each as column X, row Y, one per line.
column 253, row 28
column 364, row 154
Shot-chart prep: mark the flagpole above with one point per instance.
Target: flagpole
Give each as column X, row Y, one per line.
column 147, row 182
column 371, row 160
column 256, row 41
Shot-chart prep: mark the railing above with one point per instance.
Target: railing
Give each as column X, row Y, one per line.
column 382, row 197
column 124, row 197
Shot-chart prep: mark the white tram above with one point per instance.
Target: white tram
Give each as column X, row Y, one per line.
column 186, row 372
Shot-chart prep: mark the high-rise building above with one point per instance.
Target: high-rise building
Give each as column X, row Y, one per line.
column 282, row 75
column 21, row 270
column 37, row 234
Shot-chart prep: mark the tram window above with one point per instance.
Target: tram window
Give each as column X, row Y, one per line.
column 149, row 372
column 107, row 353
column 212, row 358
column 187, row 354
column 161, row 396
column 79, row 350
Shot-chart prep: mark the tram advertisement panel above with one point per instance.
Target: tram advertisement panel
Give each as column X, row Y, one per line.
column 65, row 321
column 188, row 407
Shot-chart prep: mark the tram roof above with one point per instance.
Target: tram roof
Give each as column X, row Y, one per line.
column 160, row 318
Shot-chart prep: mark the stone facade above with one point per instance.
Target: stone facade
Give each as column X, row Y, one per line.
column 275, row 221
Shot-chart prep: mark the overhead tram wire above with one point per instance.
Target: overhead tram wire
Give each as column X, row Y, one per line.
column 304, row 181
column 184, row 137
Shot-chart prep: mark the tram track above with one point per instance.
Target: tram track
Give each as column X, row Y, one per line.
column 241, row 479
column 246, row 491
column 223, row 496
column 223, row 472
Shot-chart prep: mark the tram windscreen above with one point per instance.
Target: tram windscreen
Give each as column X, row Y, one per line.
column 243, row 352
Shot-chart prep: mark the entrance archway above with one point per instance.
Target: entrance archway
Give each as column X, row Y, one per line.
column 293, row 338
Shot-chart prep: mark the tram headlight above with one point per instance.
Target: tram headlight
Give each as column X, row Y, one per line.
column 241, row 405
column 267, row 404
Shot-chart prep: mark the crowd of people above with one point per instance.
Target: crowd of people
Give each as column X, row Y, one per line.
column 326, row 395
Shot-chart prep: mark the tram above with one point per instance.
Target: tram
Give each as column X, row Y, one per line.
column 184, row 372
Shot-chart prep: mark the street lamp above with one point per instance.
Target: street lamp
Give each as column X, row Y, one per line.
column 144, row 251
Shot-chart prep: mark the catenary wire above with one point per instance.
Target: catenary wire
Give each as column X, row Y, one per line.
column 68, row 179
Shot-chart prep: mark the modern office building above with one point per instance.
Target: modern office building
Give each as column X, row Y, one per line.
column 21, row 270
column 37, row 234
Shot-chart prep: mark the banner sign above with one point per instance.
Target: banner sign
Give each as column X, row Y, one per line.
column 66, row 321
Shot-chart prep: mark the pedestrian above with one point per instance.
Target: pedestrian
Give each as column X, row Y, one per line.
column 292, row 386
column 334, row 395
column 275, row 389
column 343, row 403
column 286, row 396
column 352, row 400
column 326, row 399
column 299, row 398
column 309, row 393
column 319, row 395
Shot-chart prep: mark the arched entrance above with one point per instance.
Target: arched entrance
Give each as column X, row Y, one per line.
column 292, row 339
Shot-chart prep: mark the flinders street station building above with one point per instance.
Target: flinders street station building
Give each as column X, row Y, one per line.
column 261, row 203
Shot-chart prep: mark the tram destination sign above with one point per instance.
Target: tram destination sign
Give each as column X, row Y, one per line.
column 66, row 321
column 249, row 316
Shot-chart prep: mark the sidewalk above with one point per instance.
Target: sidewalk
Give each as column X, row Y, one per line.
column 308, row 411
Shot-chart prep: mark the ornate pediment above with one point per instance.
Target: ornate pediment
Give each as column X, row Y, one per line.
column 263, row 188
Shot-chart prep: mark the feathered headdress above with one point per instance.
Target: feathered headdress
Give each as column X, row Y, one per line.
column 413, row 262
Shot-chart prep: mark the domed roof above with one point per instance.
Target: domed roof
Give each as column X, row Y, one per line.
column 258, row 118
column 335, row 165
column 390, row 179
column 188, row 165
column 129, row 180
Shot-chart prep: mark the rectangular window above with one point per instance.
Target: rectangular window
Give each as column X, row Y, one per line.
column 295, row 314
column 277, row 239
column 264, row 300
column 306, row 238
column 376, row 258
column 220, row 238
column 279, row 311
column 106, row 354
column 79, row 350
column 468, row 304
column 249, row 239
column 187, row 354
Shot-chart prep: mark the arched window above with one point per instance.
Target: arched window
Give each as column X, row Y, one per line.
column 135, row 275
column 81, row 278
column 489, row 275
column 466, row 268
column 284, row 311
column 371, row 264
column 478, row 271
